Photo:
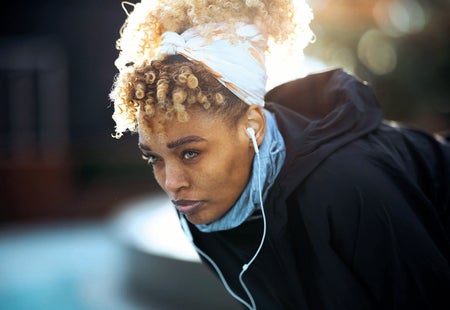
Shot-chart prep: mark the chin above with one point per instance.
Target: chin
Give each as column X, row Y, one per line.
column 197, row 219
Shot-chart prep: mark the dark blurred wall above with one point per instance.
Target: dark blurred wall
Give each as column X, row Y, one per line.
column 62, row 161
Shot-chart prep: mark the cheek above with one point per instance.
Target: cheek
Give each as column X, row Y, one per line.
column 230, row 171
column 159, row 175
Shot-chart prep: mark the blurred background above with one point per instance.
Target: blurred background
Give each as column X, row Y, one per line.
column 70, row 193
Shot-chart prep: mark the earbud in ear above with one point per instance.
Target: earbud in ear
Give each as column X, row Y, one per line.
column 251, row 134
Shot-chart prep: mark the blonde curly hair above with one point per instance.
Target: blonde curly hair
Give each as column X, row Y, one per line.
column 170, row 87
column 281, row 21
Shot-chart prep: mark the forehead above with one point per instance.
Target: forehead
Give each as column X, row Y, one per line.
column 158, row 130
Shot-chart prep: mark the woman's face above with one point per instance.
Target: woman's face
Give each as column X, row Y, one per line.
column 203, row 164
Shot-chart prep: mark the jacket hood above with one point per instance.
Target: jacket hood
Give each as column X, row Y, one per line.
column 317, row 115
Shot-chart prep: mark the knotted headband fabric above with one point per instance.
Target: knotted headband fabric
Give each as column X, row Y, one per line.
column 237, row 63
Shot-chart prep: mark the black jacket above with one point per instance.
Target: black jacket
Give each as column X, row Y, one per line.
column 359, row 215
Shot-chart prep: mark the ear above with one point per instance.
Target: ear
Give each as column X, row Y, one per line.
column 255, row 119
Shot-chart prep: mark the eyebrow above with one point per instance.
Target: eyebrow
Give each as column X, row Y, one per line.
column 176, row 143
column 184, row 140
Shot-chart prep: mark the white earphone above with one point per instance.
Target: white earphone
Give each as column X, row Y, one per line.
column 251, row 134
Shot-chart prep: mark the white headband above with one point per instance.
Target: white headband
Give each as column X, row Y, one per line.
column 237, row 63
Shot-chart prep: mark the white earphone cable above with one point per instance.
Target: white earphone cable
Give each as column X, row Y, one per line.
column 245, row 266
column 187, row 232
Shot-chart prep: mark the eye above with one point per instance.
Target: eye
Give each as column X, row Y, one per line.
column 188, row 155
column 150, row 159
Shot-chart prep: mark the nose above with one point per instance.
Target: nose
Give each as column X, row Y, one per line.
column 175, row 178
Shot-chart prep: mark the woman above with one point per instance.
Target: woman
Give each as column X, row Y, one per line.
column 301, row 198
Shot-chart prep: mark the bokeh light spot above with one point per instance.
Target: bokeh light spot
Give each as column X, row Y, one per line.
column 377, row 52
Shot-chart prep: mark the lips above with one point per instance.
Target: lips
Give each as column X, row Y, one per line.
column 187, row 206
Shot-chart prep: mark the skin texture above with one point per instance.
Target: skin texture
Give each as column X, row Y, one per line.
column 203, row 164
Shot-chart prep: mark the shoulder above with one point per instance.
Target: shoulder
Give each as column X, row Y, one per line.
column 350, row 188
column 350, row 169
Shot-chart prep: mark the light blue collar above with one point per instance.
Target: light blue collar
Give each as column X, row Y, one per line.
column 272, row 153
